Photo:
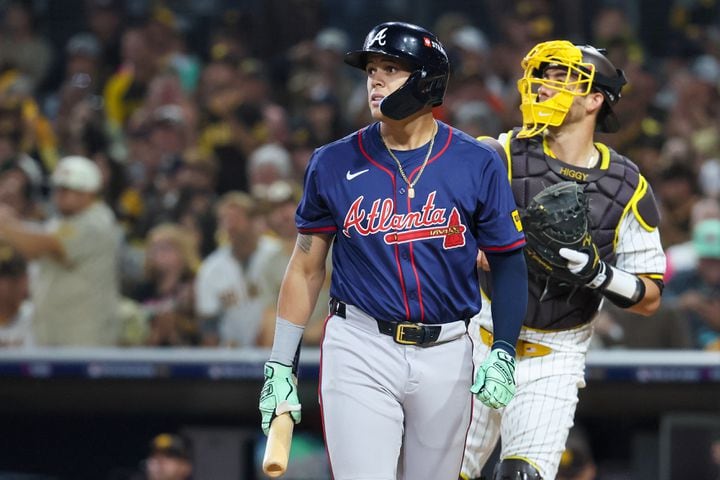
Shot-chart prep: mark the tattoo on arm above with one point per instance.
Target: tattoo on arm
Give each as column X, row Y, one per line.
column 304, row 242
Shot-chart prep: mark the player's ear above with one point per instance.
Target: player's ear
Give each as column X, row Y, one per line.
column 594, row 102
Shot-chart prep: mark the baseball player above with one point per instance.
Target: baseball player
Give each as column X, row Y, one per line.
column 568, row 93
column 404, row 204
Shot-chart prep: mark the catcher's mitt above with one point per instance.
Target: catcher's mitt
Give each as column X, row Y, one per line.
column 556, row 218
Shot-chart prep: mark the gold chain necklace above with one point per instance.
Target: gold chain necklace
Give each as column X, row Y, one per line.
column 411, row 185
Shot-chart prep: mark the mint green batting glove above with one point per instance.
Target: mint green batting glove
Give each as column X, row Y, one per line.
column 495, row 379
column 278, row 394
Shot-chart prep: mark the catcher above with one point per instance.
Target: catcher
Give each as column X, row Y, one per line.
column 590, row 221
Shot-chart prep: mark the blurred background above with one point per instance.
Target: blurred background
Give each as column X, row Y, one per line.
column 201, row 116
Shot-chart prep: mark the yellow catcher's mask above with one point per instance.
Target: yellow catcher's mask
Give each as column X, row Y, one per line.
column 578, row 81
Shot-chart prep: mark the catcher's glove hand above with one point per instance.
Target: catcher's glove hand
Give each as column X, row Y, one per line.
column 555, row 219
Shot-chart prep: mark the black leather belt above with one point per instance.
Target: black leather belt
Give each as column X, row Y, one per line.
column 404, row 333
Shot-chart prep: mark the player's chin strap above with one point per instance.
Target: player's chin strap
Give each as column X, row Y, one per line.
column 620, row 287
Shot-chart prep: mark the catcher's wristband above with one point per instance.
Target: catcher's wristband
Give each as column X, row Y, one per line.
column 620, row 287
column 286, row 343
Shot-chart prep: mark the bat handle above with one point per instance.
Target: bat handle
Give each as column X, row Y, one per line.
column 277, row 448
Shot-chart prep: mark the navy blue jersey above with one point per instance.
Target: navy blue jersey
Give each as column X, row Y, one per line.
column 404, row 259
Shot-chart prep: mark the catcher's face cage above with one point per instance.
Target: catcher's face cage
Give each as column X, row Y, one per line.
column 423, row 51
column 586, row 68
column 577, row 81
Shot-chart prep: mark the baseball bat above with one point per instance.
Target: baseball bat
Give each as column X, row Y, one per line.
column 277, row 448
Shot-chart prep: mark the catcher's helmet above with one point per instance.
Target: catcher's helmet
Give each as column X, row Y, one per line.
column 587, row 69
column 423, row 51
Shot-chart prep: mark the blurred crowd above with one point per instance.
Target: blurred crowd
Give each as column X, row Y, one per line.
column 197, row 142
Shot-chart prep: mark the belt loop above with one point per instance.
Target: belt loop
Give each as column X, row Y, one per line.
column 337, row 307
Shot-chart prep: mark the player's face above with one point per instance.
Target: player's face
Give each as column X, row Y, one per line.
column 70, row 202
column 282, row 220
column 164, row 254
column 164, row 467
column 234, row 221
column 560, row 77
column 557, row 76
column 384, row 76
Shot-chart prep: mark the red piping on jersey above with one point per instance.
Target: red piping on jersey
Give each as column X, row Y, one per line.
column 472, row 396
column 434, row 157
column 322, row 416
column 402, row 282
column 417, row 280
column 397, row 254
column 414, row 268
column 412, row 252
column 317, row 230
column 519, row 243
column 370, row 159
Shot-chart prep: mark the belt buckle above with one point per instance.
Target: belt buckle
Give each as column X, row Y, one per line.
column 400, row 333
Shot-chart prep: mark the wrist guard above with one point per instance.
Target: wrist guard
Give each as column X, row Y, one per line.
column 620, row 287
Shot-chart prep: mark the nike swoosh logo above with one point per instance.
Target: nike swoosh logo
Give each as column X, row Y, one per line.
column 350, row 176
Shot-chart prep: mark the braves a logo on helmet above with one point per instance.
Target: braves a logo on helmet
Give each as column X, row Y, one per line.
column 378, row 38
column 428, row 223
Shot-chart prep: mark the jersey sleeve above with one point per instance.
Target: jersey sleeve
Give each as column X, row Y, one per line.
column 313, row 214
column 498, row 221
column 638, row 250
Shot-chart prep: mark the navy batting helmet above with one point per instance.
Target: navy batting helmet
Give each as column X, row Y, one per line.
column 423, row 51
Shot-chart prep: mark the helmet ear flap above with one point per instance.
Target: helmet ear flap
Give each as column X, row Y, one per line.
column 421, row 89
column 404, row 101
column 431, row 87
